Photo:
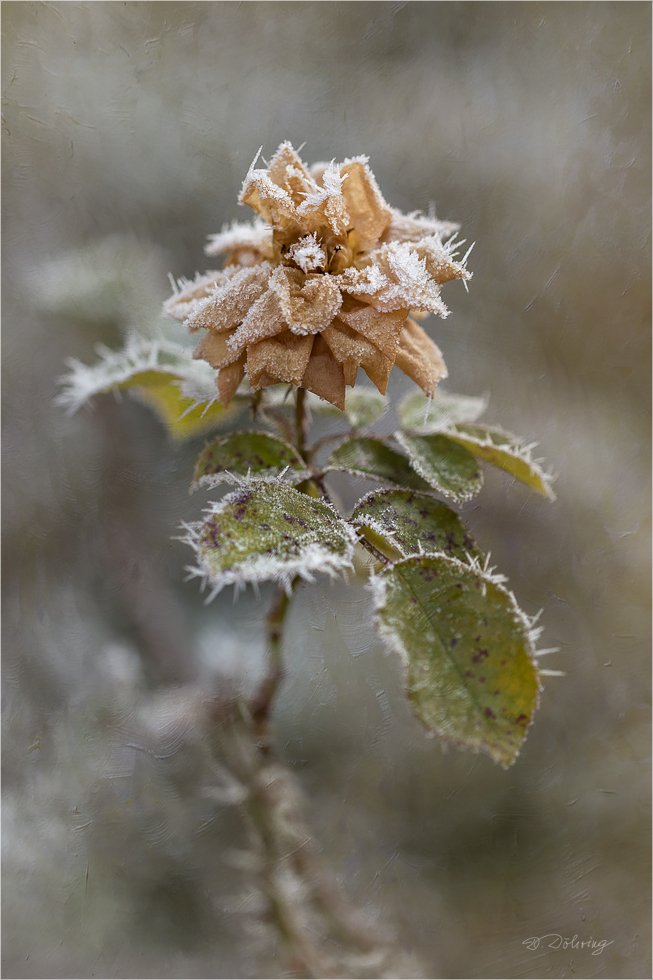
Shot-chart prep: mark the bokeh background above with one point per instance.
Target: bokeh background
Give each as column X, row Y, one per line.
column 127, row 130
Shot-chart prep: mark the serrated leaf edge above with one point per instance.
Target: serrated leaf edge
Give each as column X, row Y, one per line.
column 315, row 557
column 139, row 354
column 378, row 588
column 228, row 476
column 419, row 469
column 514, row 446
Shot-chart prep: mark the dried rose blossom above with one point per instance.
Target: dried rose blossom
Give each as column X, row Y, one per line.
column 320, row 284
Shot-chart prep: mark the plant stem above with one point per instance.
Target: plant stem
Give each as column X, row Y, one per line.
column 301, row 423
column 261, row 704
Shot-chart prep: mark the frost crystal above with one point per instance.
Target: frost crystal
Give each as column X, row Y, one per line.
column 266, row 531
column 320, row 284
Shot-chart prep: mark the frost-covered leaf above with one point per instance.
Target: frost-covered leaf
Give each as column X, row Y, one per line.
column 163, row 374
column 422, row 415
column 246, row 455
column 505, row 451
column 414, row 524
column 363, row 407
column 184, row 418
column 444, row 464
column 468, row 652
column 268, row 531
column 372, row 459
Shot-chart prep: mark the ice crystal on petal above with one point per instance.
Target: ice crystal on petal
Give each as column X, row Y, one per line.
column 320, row 283
column 247, row 244
column 307, row 254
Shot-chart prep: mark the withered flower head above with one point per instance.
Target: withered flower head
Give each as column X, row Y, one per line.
column 320, row 284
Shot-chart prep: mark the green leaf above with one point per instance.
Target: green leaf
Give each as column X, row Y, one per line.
column 267, row 531
column 164, row 375
column 445, row 465
column 414, row 524
column 468, row 652
column 183, row 417
column 420, row 414
column 247, row 455
column 505, row 451
column 372, row 459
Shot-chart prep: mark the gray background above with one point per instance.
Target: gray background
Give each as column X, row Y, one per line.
column 530, row 124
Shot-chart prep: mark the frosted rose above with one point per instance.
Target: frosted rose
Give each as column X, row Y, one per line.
column 320, row 284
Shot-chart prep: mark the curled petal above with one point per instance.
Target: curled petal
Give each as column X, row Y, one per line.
column 214, row 349
column 264, row 319
column 189, row 296
column 229, row 378
column 438, row 260
column 369, row 214
column 415, row 226
column 420, row 358
column 274, row 204
column 282, row 358
column 324, row 210
column 308, row 303
column 349, row 347
column 287, row 171
column 242, row 240
column 383, row 329
column 324, row 376
column 229, row 304
column 406, row 282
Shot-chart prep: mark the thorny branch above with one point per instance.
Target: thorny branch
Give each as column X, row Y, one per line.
column 304, row 903
column 322, row 933
column 261, row 704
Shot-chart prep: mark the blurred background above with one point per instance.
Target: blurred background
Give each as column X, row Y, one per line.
column 127, row 131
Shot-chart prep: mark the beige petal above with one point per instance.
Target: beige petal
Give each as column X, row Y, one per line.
column 420, row 358
column 415, row 226
column 263, row 320
column 324, row 211
column 228, row 380
column 230, row 303
column 308, row 303
column 282, row 358
column 214, row 349
column 348, row 347
column 369, row 215
column 189, row 296
column 272, row 202
column 383, row 329
column 324, row 376
column 350, row 371
column 251, row 237
column 287, row 170
column 395, row 278
column 439, row 263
